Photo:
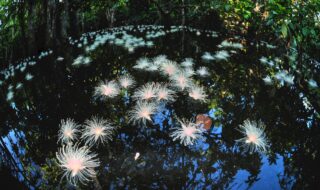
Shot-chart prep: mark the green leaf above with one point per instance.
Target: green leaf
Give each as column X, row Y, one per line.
column 284, row 30
column 305, row 31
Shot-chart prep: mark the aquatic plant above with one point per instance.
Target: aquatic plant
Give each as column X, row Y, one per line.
column 78, row 163
column 160, row 59
column 126, row 81
column 188, row 62
column 107, row 89
column 197, row 92
column 181, row 80
column 187, row 133
column 207, row 56
column 68, row 130
column 255, row 138
column 145, row 92
column 142, row 112
column 142, row 63
column 164, row 93
column 203, row 72
column 97, row 130
column 169, row 68
column 222, row 55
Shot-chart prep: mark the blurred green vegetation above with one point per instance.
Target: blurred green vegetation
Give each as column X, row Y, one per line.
column 39, row 25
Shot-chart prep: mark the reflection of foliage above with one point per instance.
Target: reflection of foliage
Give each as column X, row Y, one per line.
column 237, row 93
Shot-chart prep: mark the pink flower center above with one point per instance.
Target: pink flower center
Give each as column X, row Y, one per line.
column 195, row 95
column 98, row 131
column 107, row 90
column 68, row 133
column 162, row 95
column 148, row 95
column 125, row 83
column 75, row 165
column 252, row 139
column 189, row 131
column 145, row 114
column 170, row 70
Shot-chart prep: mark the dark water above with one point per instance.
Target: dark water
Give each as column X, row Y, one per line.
column 34, row 99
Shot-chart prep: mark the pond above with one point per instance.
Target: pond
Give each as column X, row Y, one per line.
column 228, row 81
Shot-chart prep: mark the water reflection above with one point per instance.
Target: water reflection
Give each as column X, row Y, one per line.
column 236, row 91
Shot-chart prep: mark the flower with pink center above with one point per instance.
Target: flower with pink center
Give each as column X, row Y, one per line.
column 97, row 130
column 108, row 89
column 77, row 163
column 142, row 112
column 181, row 80
column 126, row 81
column 188, row 133
column 197, row 93
column 255, row 138
column 68, row 131
column 169, row 68
column 146, row 92
column 164, row 93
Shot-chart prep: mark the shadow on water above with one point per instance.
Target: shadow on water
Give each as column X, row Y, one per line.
column 35, row 98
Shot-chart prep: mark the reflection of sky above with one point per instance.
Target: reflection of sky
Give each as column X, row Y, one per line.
column 268, row 177
column 11, row 140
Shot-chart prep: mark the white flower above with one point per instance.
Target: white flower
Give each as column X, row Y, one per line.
column 197, row 92
column 255, row 138
column 203, row 71
column 108, row 89
column 146, row 92
column 68, row 131
column 181, row 80
column 169, row 68
column 77, row 163
column 207, row 56
column 142, row 63
column 126, row 81
column 188, row 62
column 142, row 112
column 187, row 133
column 222, row 55
column 164, row 93
column 97, row 130
column 160, row 59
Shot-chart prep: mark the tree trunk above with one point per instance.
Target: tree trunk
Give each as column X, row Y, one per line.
column 31, row 26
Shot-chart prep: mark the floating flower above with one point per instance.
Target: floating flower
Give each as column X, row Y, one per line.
column 142, row 63
column 188, row 62
column 126, row 81
column 203, row 72
column 164, row 93
column 142, row 112
column 146, row 92
column 207, row 56
column 197, row 92
column 169, row 68
column 77, row 163
column 187, row 133
column 222, row 55
column 160, row 59
column 68, row 131
column 97, row 130
column 108, row 89
column 255, row 138
column 181, row 80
